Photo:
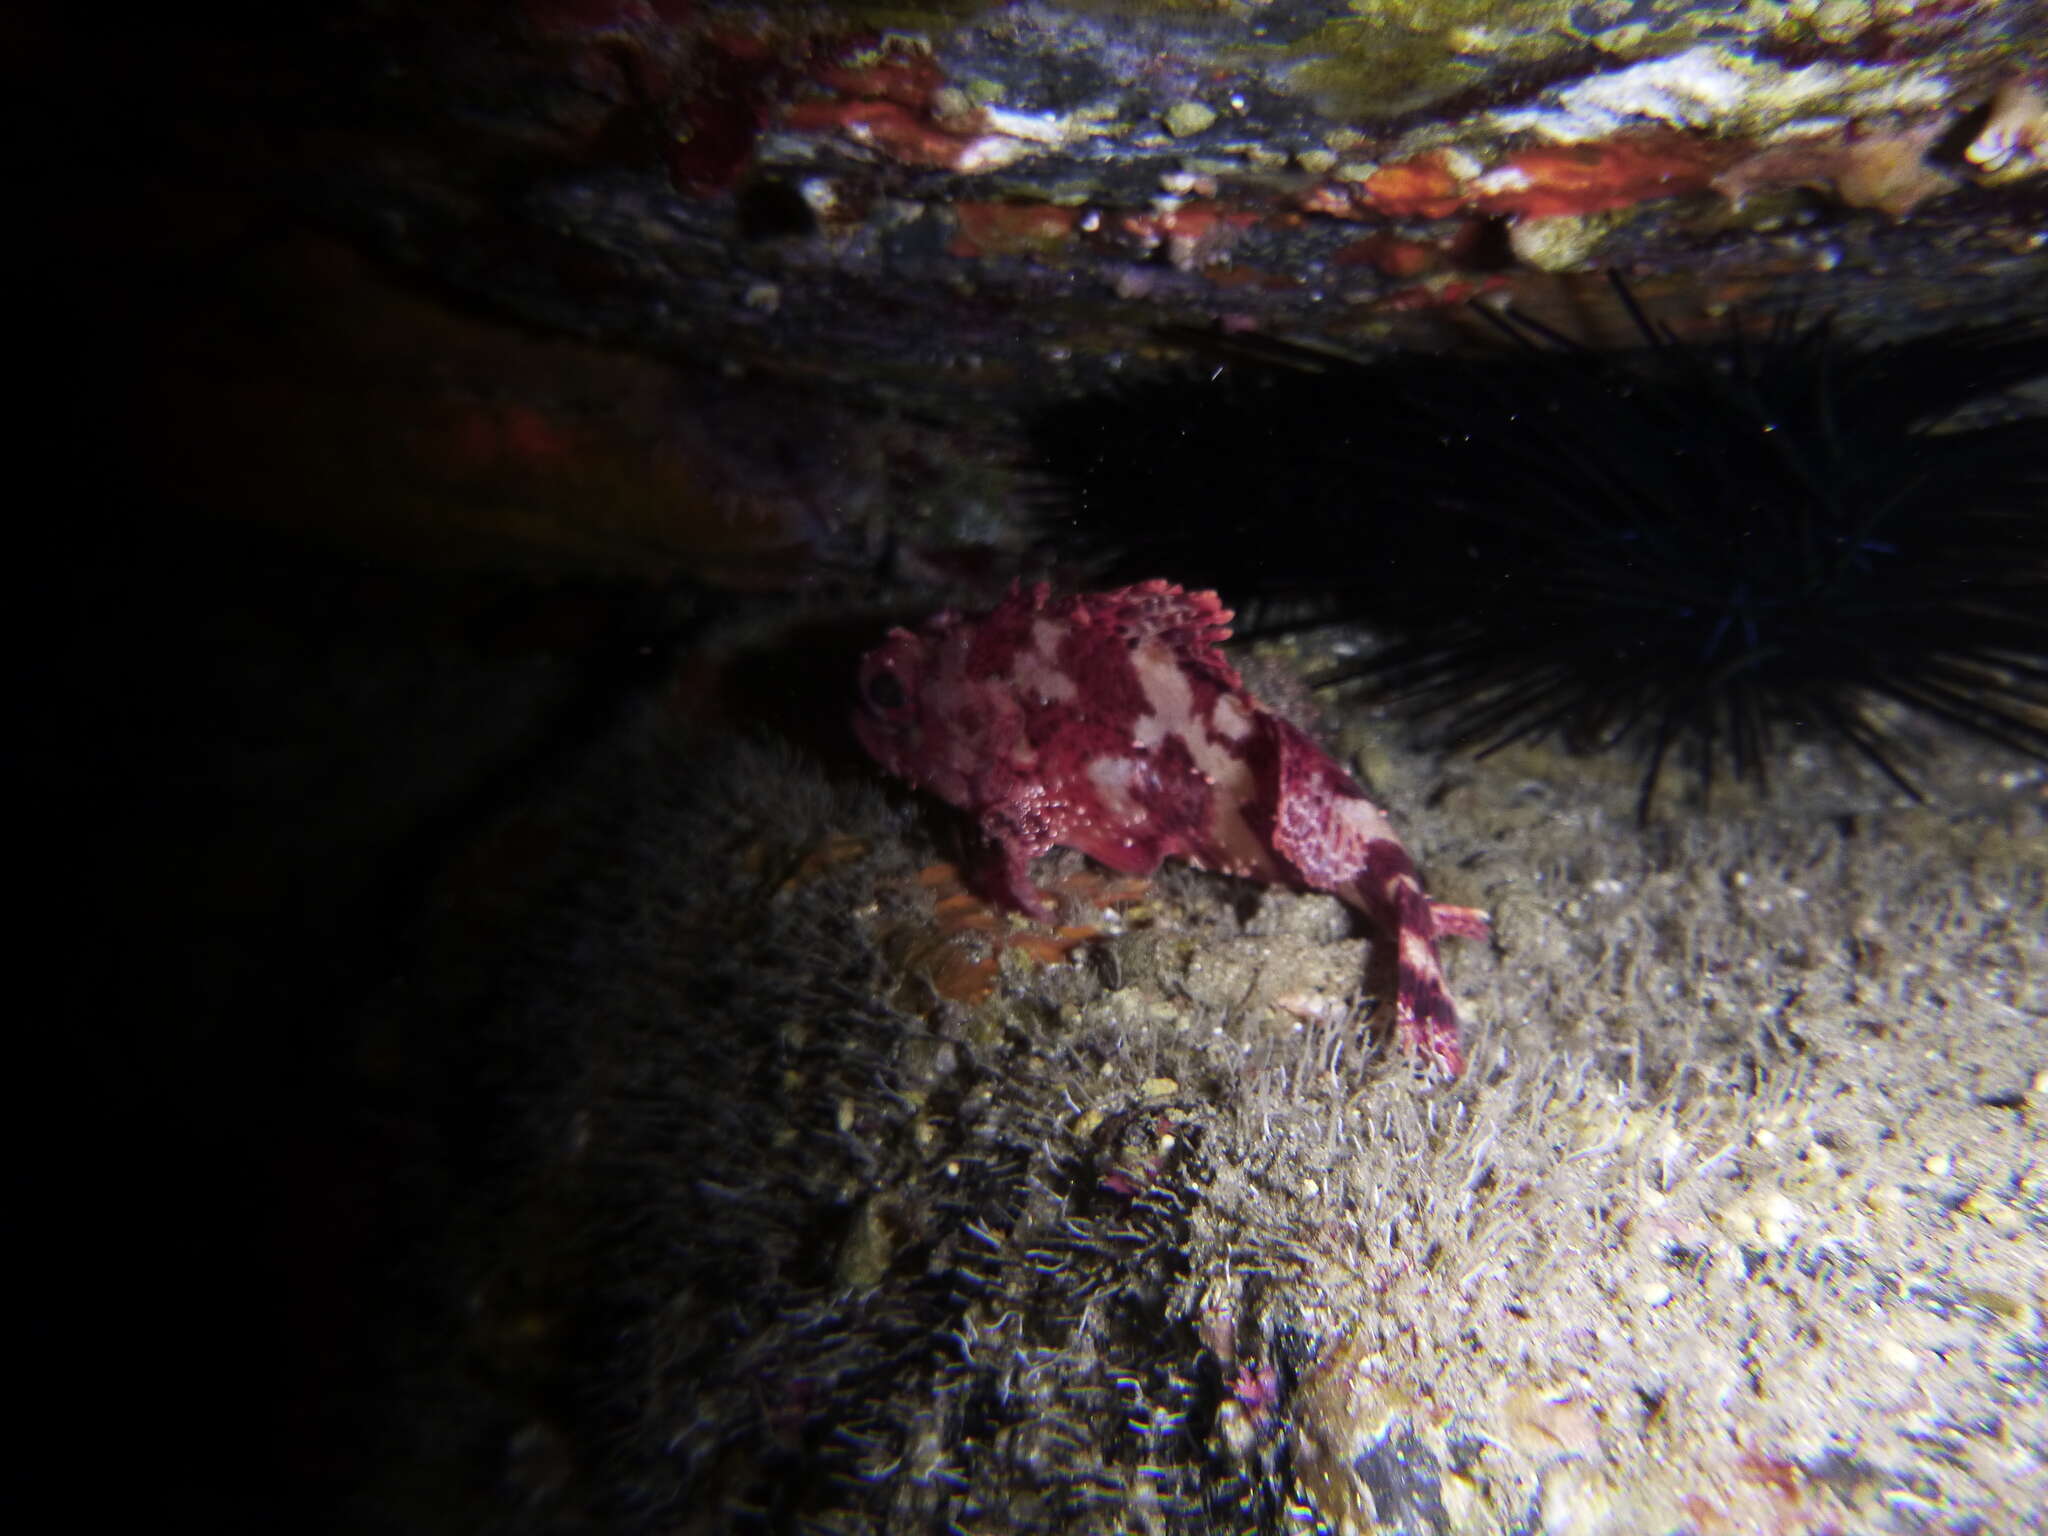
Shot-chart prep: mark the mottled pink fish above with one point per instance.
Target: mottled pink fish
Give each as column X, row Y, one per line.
column 1111, row 722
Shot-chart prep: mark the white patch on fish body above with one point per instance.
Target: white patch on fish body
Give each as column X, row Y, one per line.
column 1037, row 671
column 1165, row 684
column 1114, row 779
column 1230, row 718
column 1417, row 953
column 1364, row 821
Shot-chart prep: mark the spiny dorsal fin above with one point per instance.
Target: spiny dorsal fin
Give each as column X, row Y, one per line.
column 1193, row 625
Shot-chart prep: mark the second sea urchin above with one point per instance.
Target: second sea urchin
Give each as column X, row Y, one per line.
column 1680, row 549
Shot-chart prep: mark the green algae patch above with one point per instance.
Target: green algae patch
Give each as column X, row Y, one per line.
column 1390, row 58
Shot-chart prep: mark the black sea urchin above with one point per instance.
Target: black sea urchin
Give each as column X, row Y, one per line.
column 1675, row 549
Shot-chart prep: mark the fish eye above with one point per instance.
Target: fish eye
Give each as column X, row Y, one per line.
column 884, row 692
